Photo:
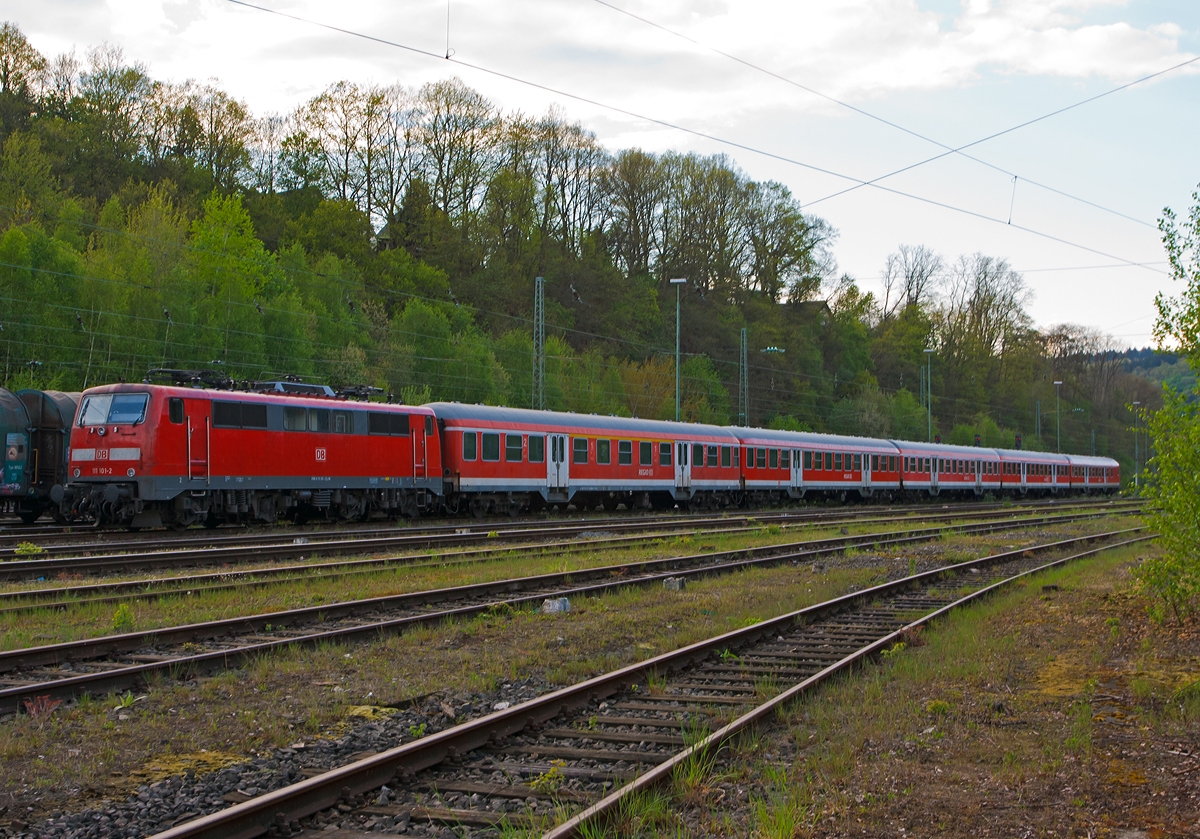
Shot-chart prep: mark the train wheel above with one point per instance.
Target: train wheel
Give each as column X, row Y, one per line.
column 479, row 507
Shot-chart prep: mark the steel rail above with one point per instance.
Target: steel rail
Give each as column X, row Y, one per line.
column 212, row 540
column 77, row 595
column 542, row 586
column 257, row 816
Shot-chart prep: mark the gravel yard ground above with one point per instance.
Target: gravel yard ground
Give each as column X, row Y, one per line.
column 839, row 765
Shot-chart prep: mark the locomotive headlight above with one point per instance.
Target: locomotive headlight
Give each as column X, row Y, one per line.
column 76, row 473
column 129, row 473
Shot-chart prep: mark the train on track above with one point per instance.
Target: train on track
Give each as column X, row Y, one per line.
column 200, row 451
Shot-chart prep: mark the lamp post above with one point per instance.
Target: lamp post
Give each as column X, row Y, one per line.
column 929, row 390
column 1137, row 465
column 678, row 282
column 1057, row 417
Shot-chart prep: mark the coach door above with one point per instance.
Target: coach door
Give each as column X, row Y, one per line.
column 979, row 477
column 934, row 463
column 866, row 470
column 419, row 427
column 683, row 466
column 557, row 469
column 199, row 438
column 797, row 469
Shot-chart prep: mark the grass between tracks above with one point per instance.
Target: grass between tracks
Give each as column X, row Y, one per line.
column 89, row 750
column 54, row 625
column 1055, row 709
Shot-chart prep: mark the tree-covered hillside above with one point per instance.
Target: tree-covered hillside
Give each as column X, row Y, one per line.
column 390, row 236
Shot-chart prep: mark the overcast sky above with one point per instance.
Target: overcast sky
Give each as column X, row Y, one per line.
column 954, row 72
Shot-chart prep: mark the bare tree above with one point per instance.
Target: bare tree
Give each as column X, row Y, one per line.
column 910, row 278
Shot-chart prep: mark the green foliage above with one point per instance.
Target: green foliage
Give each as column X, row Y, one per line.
column 28, row 549
column 1173, row 488
column 122, row 618
column 1173, row 473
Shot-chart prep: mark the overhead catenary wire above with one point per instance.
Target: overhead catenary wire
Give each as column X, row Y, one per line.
column 858, row 182
column 949, row 149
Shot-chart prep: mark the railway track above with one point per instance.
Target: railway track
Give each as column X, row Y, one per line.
column 567, row 761
column 63, row 597
column 78, row 541
column 117, row 662
column 179, row 553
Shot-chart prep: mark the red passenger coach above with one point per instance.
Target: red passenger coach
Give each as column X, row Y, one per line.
column 146, row 455
column 792, row 464
column 1094, row 474
column 1039, row 473
column 937, row 467
column 510, row 459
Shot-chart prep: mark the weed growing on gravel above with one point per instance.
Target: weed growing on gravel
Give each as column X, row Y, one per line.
column 122, row 620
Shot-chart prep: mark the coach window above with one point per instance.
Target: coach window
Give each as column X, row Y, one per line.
column 712, row 455
column 737, row 457
column 491, row 446
column 295, row 419
column 645, row 453
column 175, row 410
column 664, row 454
column 726, row 457
column 604, row 452
column 749, row 458
column 773, row 458
column 808, row 459
column 579, row 450
column 858, row 463
column 785, row 459
column 837, row 462
column 760, row 458
column 874, row 462
column 624, row 452
column 537, row 448
column 697, row 454
column 470, row 445
column 512, row 448
column 318, row 419
column 343, row 422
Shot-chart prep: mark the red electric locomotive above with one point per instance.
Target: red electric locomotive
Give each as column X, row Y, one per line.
column 146, row 455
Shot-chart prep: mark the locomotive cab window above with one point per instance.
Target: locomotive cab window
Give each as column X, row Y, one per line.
column 625, row 452
column 604, row 452
column 318, row 419
column 645, row 454
column 537, row 448
column 664, row 454
column 579, row 450
column 512, row 448
column 175, row 410
column 114, row 409
column 296, row 419
column 470, row 445
column 491, row 447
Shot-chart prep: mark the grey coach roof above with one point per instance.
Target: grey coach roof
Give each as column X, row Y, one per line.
column 525, row 418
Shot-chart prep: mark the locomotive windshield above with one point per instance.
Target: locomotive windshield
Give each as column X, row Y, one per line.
column 114, row 409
